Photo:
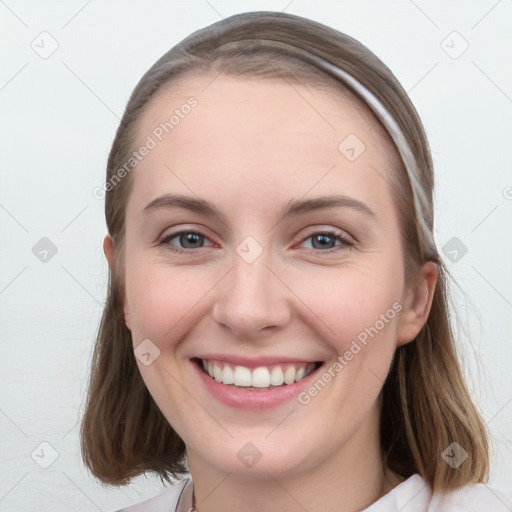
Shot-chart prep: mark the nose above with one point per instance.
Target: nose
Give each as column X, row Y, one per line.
column 252, row 300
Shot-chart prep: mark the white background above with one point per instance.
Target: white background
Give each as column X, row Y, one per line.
column 58, row 119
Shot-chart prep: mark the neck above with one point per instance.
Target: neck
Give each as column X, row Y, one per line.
column 349, row 479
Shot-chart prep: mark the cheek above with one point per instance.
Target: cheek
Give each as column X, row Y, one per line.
column 357, row 305
column 162, row 300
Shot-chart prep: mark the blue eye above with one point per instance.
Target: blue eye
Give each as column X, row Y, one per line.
column 325, row 241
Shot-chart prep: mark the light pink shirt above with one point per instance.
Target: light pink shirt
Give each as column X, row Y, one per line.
column 412, row 495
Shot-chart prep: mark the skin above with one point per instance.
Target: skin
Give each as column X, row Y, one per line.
column 249, row 147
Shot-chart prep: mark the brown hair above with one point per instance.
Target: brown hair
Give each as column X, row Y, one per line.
column 426, row 404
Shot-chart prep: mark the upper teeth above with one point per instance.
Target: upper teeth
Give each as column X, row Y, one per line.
column 261, row 377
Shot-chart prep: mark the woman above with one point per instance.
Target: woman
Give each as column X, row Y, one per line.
column 277, row 322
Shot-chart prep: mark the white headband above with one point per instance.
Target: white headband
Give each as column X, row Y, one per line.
column 421, row 203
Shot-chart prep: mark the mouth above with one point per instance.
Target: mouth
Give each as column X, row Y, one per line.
column 260, row 378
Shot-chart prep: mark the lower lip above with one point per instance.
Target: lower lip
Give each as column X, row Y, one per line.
column 254, row 400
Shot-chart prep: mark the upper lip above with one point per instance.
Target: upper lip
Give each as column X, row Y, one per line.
column 255, row 362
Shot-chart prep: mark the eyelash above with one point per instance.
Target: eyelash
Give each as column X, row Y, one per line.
column 346, row 243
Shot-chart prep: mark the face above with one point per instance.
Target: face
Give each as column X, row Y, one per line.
column 254, row 271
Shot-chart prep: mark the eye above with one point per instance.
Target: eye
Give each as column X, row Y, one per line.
column 325, row 241
column 188, row 240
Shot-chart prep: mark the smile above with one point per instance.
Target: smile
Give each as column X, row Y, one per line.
column 259, row 378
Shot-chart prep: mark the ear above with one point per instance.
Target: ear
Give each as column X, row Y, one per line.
column 108, row 249
column 417, row 304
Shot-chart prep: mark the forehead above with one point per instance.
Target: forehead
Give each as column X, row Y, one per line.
column 243, row 132
column 271, row 99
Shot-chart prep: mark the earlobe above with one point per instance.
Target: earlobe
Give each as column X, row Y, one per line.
column 127, row 319
column 417, row 304
column 108, row 249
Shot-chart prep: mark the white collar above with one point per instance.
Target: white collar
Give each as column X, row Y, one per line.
column 413, row 494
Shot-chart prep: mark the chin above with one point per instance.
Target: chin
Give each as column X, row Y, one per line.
column 257, row 459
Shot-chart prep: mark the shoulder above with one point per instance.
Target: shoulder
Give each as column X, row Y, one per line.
column 414, row 495
column 166, row 501
column 476, row 497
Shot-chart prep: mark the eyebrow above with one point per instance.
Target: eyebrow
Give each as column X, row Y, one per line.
column 293, row 207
